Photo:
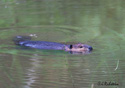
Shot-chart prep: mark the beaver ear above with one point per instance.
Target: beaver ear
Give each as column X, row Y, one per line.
column 70, row 46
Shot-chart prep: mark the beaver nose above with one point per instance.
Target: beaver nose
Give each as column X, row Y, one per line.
column 90, row 48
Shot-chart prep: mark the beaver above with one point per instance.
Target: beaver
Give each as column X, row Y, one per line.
column 27, row 42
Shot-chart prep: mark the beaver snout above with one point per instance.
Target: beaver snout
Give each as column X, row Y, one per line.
column 88, row 47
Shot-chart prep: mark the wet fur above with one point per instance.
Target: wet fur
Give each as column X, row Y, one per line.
column 26, row 42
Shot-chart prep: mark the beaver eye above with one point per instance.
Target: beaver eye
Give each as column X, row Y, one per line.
column 70, row 46
column 80, row 47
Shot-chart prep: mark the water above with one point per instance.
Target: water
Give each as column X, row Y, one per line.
column 99, row 23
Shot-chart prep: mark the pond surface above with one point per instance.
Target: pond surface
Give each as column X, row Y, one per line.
column 99, row 23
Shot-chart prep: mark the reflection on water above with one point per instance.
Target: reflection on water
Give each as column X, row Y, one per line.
column 31, row 72
column 99, row 23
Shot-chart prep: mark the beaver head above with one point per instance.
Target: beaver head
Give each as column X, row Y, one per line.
column 78, row 48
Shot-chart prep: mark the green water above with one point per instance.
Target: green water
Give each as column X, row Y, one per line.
column 99, row 23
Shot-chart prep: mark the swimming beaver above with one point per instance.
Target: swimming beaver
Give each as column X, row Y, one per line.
column 26, row 41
